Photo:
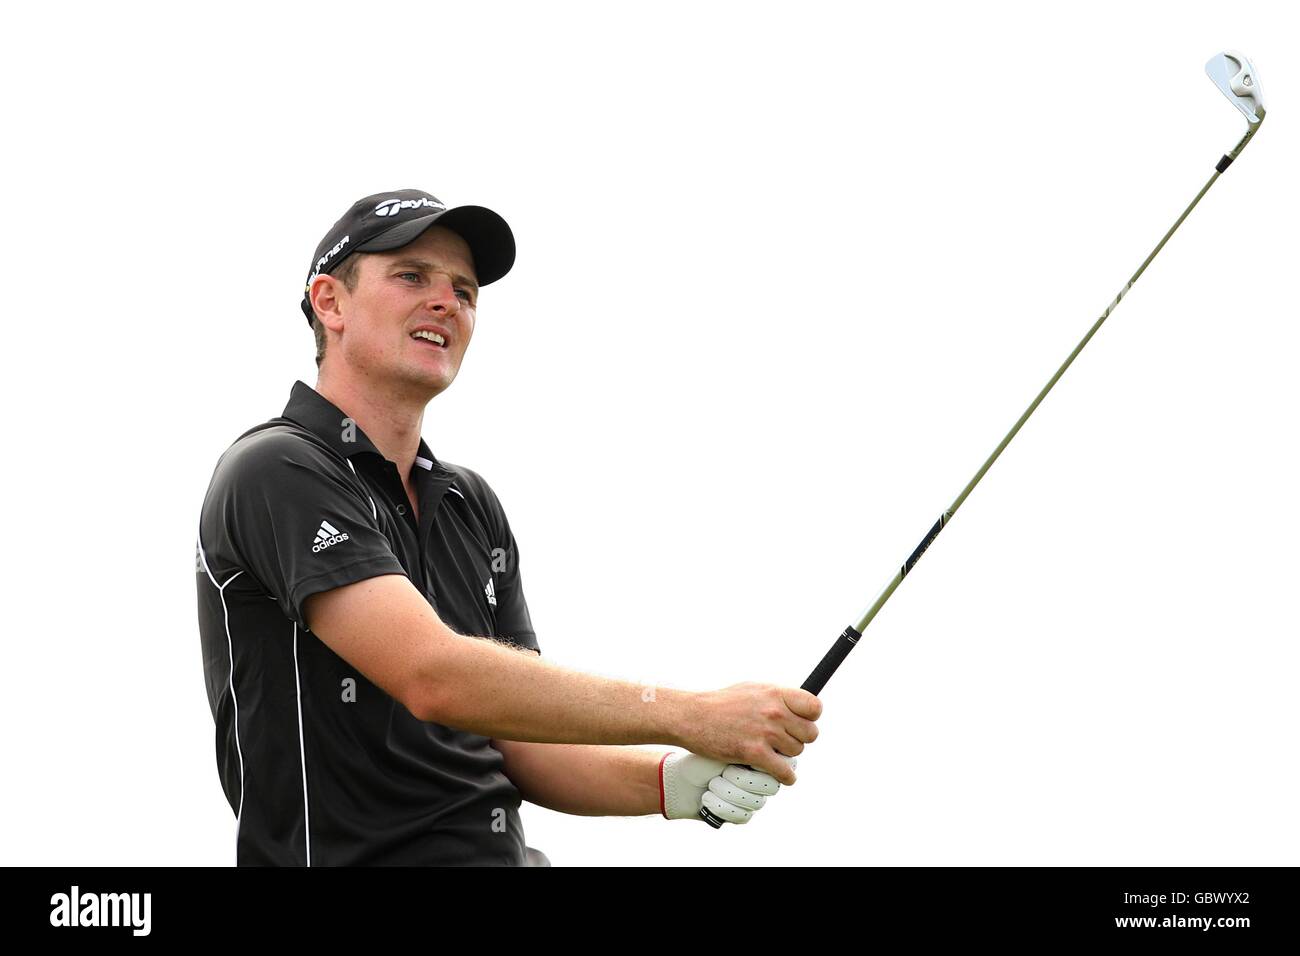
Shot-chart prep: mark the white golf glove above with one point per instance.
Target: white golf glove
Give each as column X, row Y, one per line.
column 731, row 791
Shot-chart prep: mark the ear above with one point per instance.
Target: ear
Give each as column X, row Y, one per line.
column 329, row 297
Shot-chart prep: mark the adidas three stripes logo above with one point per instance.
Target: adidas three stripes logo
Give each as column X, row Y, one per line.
column 328, row 535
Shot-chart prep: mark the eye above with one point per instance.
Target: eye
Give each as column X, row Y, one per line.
column 415, row 276
column 465, row 295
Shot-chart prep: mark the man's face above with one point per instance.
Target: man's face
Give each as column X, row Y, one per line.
column 427, row 287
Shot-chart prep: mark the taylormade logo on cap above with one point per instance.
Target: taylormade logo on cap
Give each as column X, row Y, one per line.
column 391, row 207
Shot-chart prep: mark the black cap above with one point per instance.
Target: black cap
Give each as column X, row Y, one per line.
column 391, row 220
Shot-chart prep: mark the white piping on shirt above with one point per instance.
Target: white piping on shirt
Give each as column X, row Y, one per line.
column 234, row 700
column 302, row 747
column 373, row 510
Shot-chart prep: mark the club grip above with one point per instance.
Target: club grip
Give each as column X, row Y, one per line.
column 814, row 684
column 833, row 659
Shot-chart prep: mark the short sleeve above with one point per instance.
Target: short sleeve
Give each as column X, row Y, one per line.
column 513, row 622
column 293, row 516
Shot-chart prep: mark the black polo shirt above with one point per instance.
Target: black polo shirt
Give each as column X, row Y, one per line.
column 320, row 765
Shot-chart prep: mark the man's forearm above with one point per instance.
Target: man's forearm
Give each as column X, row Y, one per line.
column 388, row 631
column 583, row 779
column 386, row 628
column 486, row 688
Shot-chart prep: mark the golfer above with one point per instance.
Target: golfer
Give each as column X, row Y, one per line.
column 370, row 662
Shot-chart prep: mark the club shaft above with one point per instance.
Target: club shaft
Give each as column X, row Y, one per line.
column 849, row 639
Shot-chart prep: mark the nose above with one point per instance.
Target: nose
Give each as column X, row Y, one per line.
column 442, row 296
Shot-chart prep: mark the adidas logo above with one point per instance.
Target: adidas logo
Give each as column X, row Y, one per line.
column 328, row 535
column 491, row 593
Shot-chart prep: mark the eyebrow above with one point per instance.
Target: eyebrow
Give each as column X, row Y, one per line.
column 424, row 265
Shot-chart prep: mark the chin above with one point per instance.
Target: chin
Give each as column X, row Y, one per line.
column 431, row 382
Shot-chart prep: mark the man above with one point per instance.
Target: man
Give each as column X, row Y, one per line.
column 371, row 666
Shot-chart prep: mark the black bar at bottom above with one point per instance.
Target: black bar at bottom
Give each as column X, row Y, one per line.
column 1224, row 163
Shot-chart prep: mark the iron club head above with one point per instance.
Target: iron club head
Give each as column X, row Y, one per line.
column 1234, row 74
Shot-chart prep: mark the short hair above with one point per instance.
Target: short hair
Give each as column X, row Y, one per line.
column 347, row 274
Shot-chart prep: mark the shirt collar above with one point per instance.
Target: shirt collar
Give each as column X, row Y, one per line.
column 314, row 412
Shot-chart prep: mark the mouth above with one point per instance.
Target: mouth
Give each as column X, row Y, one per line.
column 429, row 339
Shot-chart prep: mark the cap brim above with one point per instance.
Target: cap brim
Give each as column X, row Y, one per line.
column 488, row 236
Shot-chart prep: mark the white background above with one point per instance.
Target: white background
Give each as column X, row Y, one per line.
column 786, row 275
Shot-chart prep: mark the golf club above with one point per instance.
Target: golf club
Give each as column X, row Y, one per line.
column 1233, row 74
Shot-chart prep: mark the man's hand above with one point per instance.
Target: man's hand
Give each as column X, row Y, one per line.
column 755, row 725
column 730, row 791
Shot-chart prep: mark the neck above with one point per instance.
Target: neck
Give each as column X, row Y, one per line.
column 390, row 416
